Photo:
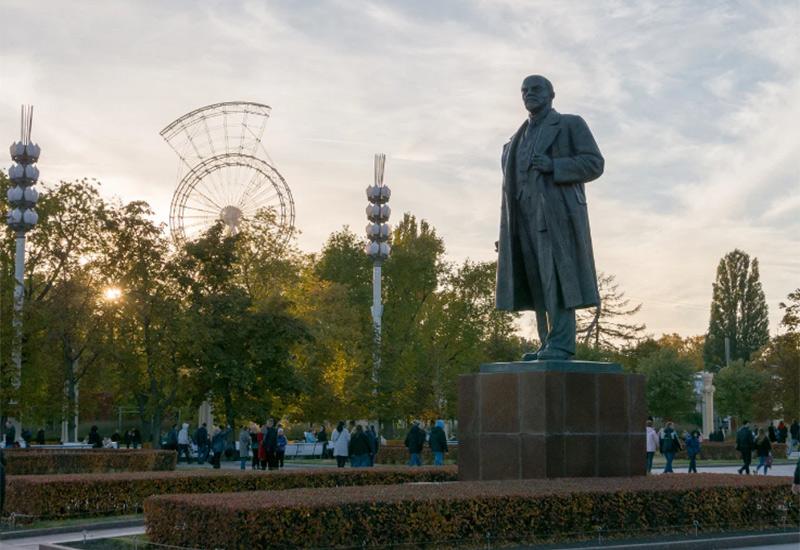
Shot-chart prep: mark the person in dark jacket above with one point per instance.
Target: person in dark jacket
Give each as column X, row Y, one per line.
column 201, row 440
column 794, row 433
column 359, row 448
column 438, row 443
column 40, row 437
column 763, row 448
column 693, row 449
column 94, row 438
column 218, row 444
column 254, row 445
column 744, row 444
column 415, row 441
column 772, row 433
column 10, row 435
column 783, row 431
column 374, row 443
column 670, row 444
column 270, row 444
column 171, row 441
column 280, row 453
column 137, row 438
column 322, row 437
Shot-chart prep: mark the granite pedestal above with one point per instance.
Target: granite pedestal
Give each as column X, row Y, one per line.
column 549, row 419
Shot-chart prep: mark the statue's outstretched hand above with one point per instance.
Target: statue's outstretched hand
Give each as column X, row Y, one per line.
column 542, row 163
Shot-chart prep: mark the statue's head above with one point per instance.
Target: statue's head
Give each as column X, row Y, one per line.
column 537, row 94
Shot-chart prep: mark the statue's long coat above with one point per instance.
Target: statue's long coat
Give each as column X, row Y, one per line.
column 576, row 160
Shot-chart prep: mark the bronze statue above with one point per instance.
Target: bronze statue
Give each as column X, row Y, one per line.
column 545, row 261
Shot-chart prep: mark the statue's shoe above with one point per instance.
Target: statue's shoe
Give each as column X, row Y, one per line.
column 549, row 354
column 531, row 356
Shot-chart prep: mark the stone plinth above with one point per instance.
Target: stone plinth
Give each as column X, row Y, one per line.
column 547, row 419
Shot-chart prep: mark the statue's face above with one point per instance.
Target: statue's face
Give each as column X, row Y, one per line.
column 536, row 93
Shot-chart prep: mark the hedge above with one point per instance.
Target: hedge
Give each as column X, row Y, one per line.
column 79, row 461
column 63, row 496
column 726, row 450
column 471, row 513
column 395, row 454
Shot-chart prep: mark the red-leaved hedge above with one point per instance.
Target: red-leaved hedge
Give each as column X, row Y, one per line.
column 108, row 494
column 459, row 513
column 726, row 450
column 78, row 461
column 396, row 454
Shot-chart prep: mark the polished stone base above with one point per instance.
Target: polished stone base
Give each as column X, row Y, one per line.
column 548, row 419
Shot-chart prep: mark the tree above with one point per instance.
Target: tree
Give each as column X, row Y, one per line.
column 780, row 360
column 739, row 389
column 604, row 326
column 669, row 391
column 738, row 311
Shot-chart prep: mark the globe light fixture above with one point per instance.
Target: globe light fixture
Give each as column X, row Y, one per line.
column 378, row 248
column 22, row 217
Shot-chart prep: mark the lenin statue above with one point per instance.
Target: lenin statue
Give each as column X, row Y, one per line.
column 545, row 261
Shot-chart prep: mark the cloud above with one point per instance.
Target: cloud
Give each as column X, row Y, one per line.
column 695, row 106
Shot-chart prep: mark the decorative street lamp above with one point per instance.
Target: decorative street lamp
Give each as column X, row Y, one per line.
column 22, row 197
column 378, row 249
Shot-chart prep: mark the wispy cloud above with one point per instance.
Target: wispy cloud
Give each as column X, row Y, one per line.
column 695, row 106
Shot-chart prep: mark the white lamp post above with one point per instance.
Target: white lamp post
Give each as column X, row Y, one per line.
column 22, row 197
column 378, row 249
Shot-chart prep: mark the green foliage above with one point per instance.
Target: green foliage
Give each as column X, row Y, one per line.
column 740, row 388
column 738, row 311
column 669, row 384
column 49, row 462
column 58, row 496
column 522, row 513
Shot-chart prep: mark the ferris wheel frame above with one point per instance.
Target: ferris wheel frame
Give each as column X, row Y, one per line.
column 190, row 181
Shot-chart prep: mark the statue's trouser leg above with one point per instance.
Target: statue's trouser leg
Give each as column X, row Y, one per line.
column 531, row 263
column 561, row 320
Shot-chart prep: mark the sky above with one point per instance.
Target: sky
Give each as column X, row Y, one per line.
column 695, row 106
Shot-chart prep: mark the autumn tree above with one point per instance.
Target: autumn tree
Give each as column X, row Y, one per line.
column 669, row 388
column 738, row 311
column 607, row 326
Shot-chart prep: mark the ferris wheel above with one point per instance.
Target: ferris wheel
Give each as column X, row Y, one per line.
column 225, row 173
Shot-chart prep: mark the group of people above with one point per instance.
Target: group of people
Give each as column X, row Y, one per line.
column 264, row 447
column 358, row 445
column 748, row 441
column 668, row 442
column 758, row 440
column 415, row 443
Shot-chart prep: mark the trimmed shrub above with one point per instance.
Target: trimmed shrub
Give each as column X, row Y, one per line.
column 396, row 454
column 80, row 461
column 726, row 450
column 65, row 496
column 460, row 513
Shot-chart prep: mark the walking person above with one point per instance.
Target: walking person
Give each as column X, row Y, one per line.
column 280, row 453
column 262, row 452
column 218, row 441
column 244, row 447
column 744, row 444
column 94, row 438
column 794, row 434
column 438, row 443
column 172, row 438
column 373, row 445
column 322, row 437
column 782, row 432
column 254, row 445
column 693, row 449
column 763, row 447
column 183, row 443
column 359, row 448
column 270, row 444
column 415, row 441
column 652, row 444
column 201, row 440
column 772, row 433
column 670, row 444
column 340, row 438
